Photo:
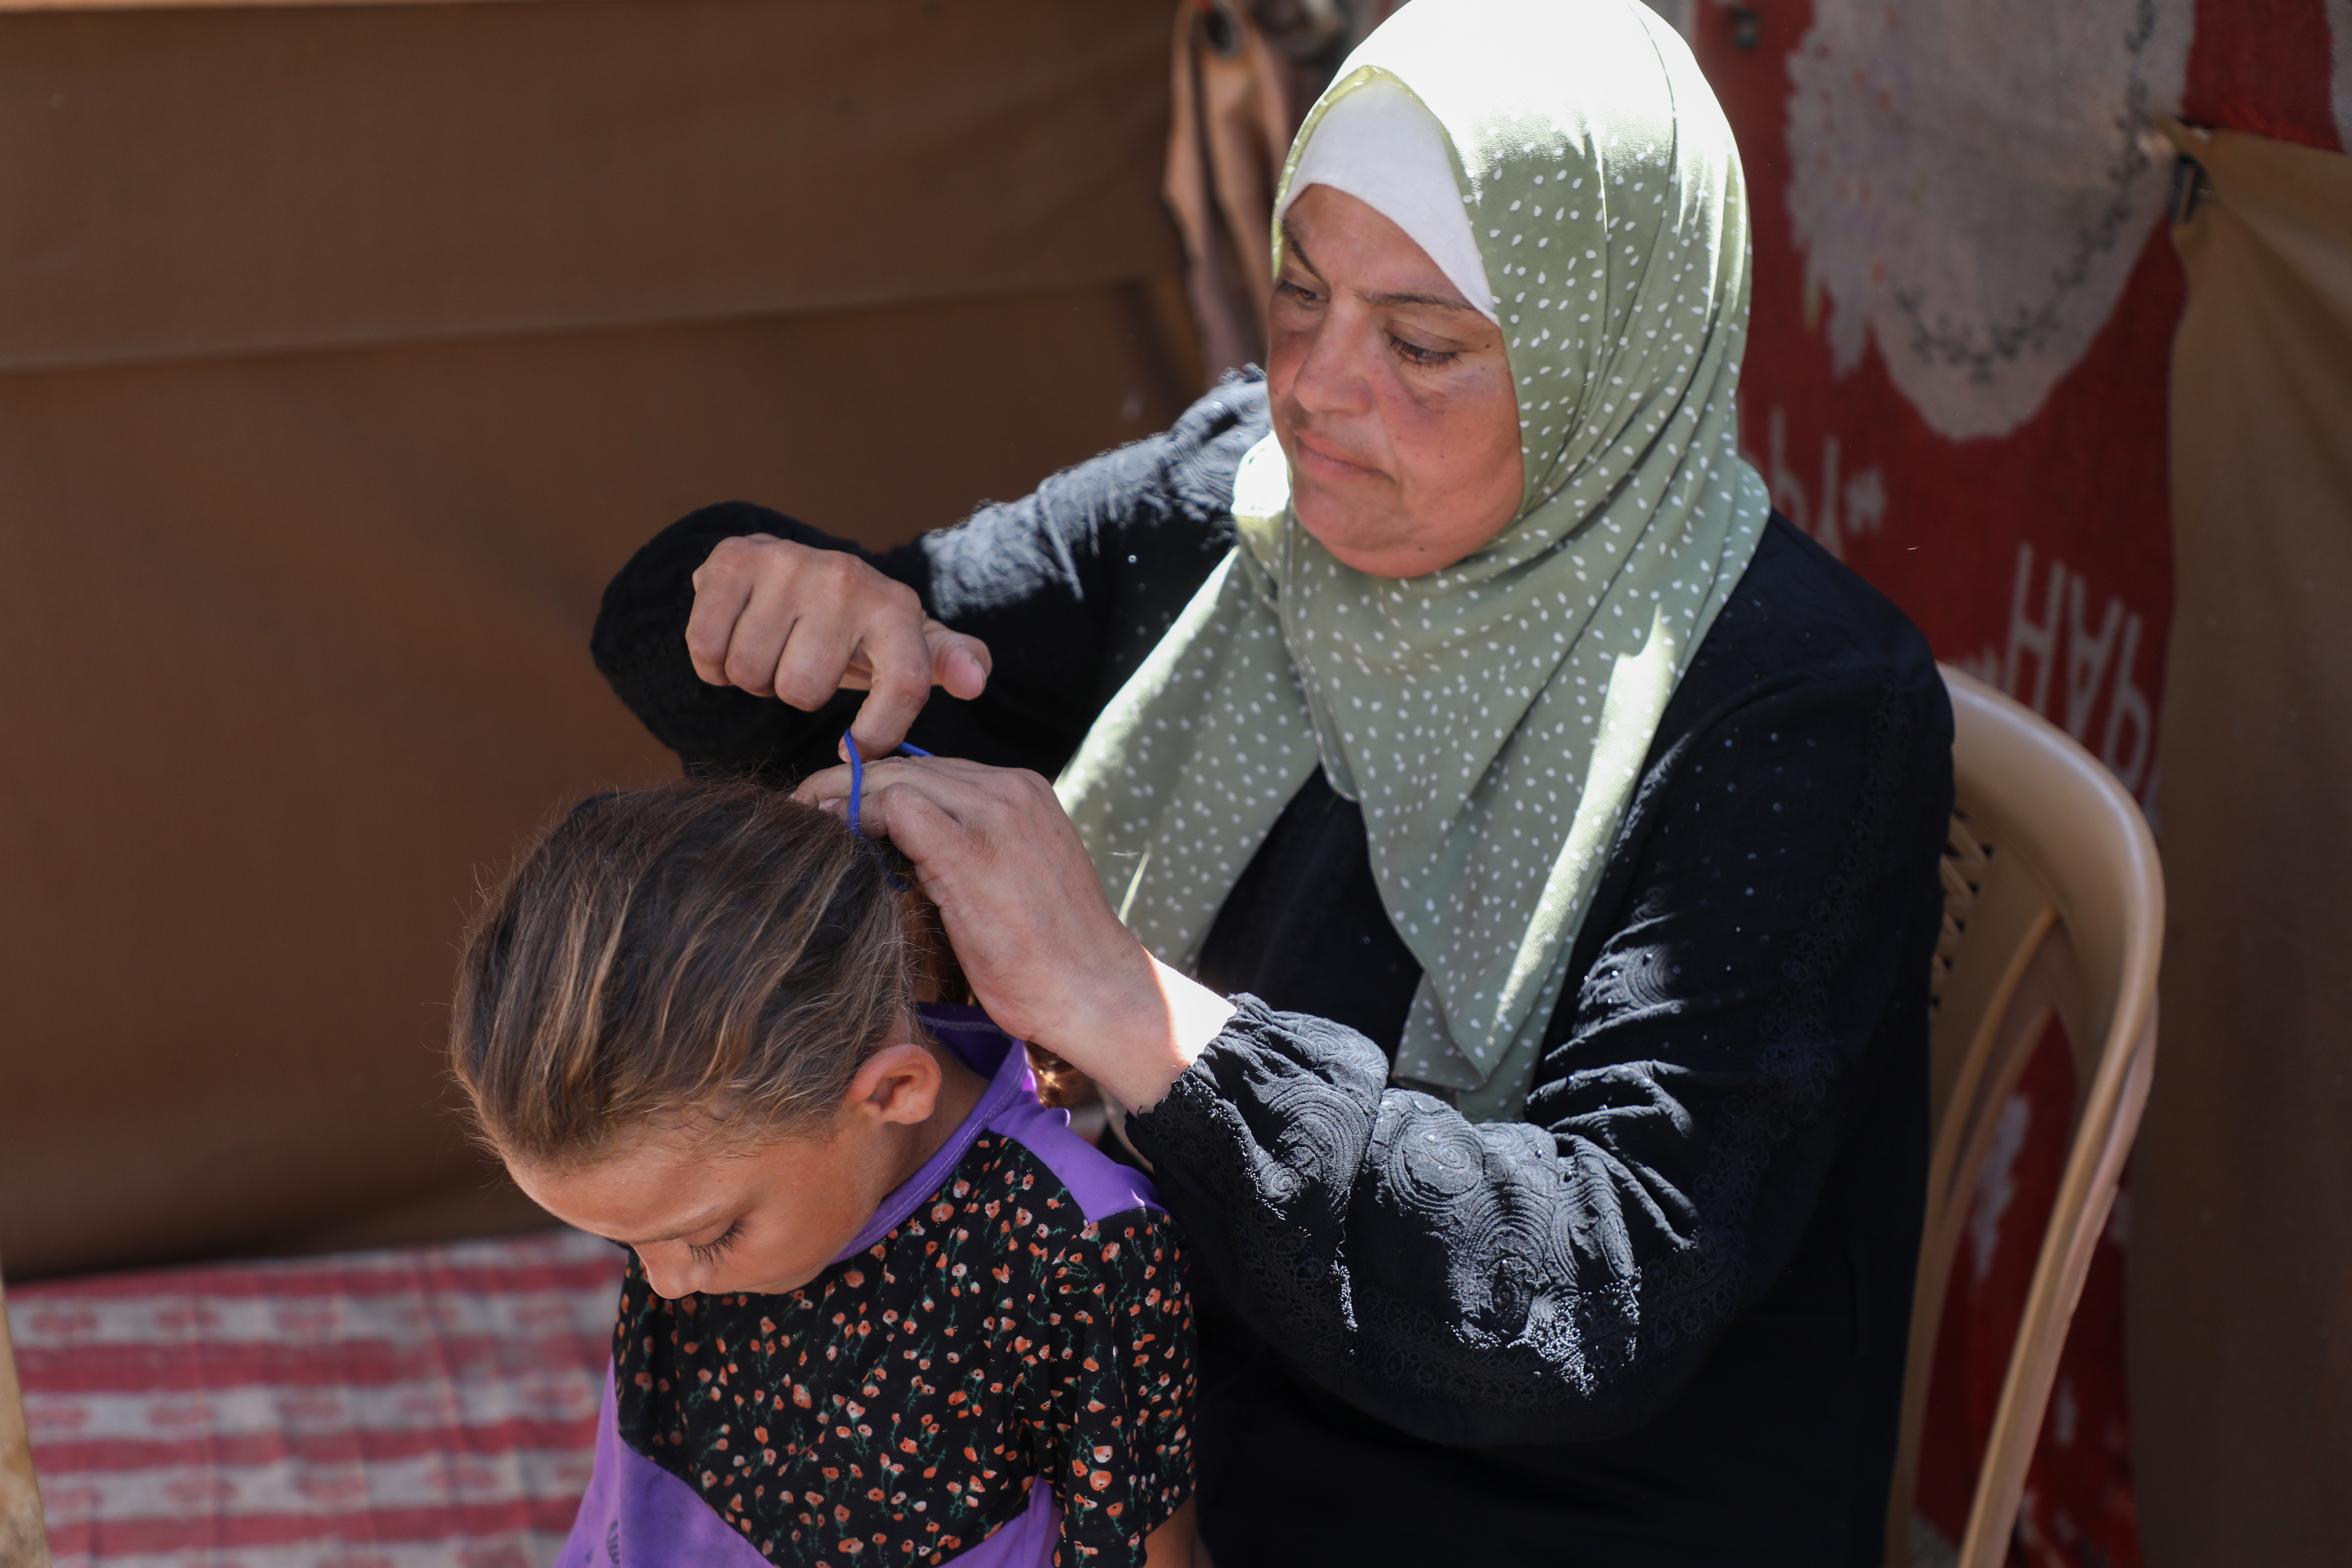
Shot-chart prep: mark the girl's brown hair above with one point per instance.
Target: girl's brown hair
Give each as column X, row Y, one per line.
column 708, row 947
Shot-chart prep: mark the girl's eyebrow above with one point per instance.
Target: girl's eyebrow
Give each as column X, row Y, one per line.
column 716, row 1216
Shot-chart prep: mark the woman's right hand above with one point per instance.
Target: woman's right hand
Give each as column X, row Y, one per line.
column 784, row 620
column 1025, row 913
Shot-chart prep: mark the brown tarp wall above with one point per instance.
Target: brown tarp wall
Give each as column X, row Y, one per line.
column 2241, row 1317
column 344, row 353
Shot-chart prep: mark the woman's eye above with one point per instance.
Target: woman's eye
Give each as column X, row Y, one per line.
column 1413, row 354
column 711, row 1251
column 1284, row 289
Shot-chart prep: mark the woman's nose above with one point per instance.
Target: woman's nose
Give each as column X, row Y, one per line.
column 1332, row 376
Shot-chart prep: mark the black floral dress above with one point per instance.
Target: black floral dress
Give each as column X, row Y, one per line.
column 1015, row 1314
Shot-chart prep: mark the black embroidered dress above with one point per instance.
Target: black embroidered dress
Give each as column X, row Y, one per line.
column 1663, row 1319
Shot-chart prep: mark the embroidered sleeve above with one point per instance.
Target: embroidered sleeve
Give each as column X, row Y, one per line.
column 1070, row 586
column 1119, row 1451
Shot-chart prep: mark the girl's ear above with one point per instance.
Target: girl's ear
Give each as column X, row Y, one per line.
column 897, row 1083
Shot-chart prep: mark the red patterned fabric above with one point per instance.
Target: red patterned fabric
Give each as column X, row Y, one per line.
column 1956, row 380
column 428, row 1405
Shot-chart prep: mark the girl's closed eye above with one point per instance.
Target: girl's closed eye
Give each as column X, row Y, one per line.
column 713, row 1251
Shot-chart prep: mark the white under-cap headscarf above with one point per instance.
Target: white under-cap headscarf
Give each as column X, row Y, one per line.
column 1381, row 147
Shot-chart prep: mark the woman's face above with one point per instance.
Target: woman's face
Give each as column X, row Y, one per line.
column 1391, row 395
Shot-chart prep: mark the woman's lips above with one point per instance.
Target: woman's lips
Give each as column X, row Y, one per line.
column 1317, row 460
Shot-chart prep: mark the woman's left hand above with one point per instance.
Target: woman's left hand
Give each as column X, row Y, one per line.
column 1031, row 928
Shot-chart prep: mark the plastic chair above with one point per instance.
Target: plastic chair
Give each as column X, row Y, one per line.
column 2053, row 901
column 24, row 1543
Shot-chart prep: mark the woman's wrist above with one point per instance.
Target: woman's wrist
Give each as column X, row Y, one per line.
column 1141, row 1033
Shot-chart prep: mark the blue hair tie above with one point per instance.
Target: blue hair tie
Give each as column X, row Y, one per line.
column 857, row 789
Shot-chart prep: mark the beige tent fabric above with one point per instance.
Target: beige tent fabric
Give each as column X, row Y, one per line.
column 304, row 532
column 2241, row 1306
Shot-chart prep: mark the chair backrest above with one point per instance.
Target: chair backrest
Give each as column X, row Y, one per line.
column 2053, row 903
column 23, row 1542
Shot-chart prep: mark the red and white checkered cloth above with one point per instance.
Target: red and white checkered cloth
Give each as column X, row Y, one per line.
column 395, row 1409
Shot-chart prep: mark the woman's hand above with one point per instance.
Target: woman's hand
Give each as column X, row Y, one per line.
column 1019, row 898
column 780, row 619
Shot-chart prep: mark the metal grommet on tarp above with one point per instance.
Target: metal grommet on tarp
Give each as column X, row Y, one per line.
column 2191, row 185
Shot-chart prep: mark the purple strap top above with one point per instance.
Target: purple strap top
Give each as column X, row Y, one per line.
column 638, row 1515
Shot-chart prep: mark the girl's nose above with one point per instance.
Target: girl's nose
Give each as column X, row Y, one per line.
column 671, row 1276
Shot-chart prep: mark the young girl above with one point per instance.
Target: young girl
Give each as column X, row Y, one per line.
column 882, row 1306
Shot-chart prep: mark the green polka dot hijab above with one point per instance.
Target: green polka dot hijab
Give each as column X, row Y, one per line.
column 1490, row 719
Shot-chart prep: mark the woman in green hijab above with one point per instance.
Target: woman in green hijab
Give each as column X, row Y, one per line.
column 1493, row 856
